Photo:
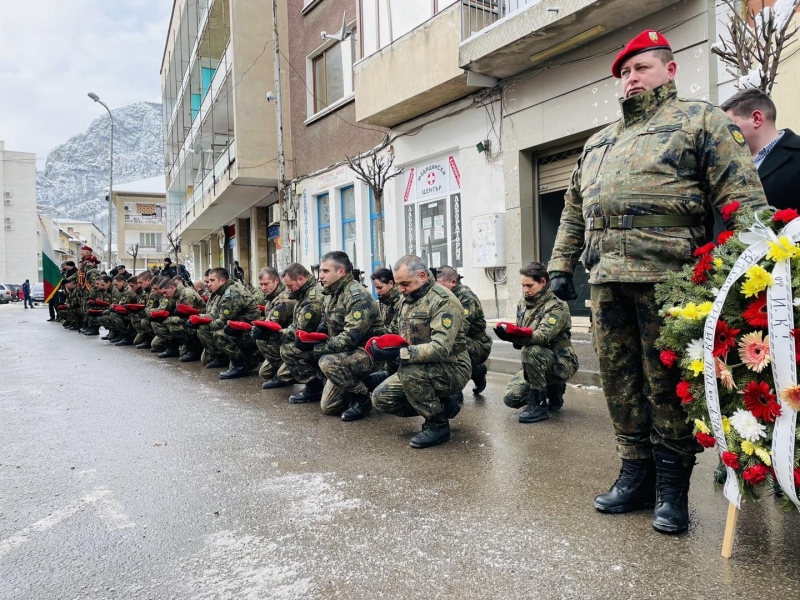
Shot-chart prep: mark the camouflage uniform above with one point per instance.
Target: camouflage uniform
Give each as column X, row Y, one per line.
column 176, row 324
column 297, row 365
column 231, row 302
column 548, row 356
column 663, row 166
column 436, row 364
column 479, row 344
column 278, row 308
column 96, row 294
column 139, row 319
column 163, row 337
column 390, row 304
column 117, row 324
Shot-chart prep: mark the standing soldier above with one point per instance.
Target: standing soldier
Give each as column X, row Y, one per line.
column 479, row 344
column 435, row 364
column 306, row 292
column 275, row 307
column 548, row 358
column 635, row 209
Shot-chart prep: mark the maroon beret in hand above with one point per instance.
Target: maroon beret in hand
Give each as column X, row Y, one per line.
column 239, row 325
column 512, row 329
column 386, row 341
column 311, row 338
column 186, row 310
column 270, row 325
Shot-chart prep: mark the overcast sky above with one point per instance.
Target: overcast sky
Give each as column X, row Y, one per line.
column 53, row 52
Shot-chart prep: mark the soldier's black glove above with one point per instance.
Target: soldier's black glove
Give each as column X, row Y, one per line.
column 323, row 328
column 232, row 332
column 303, row 346
column 390, row 355
column 517, row 346
column 501, row 333
column 261, row 334
column 562, row 286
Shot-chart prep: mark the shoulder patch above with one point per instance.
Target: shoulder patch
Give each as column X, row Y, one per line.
column 552, row 320
column 307, row 314
column 737, row 134
column 447, row 320
column 466, row 312
column 276, row 313
column 357, row 314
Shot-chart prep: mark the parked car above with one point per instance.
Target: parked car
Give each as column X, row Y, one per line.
column 16, row 291
column 37, row 292
column 5, row 294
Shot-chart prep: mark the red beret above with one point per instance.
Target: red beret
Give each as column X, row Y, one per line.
column 647, row 40
column 101, row 303
column 62, row 307
column 134, row 307
column 198, row 320
column 270, row 325
column 159, row 314
column 92, row 259
column 239, row 325
column 311, row 338
column 388, row 340
column 262, row 307
column 186, row 310
column 121, row 310
column 512, row 329
column 89, row 248
column 95, row 312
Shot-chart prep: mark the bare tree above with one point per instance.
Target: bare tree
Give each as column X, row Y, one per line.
column 134, row 252
column 756, row 38
column 373, row 170
column 175, row 247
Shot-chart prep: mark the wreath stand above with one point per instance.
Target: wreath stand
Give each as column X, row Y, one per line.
column 730, row 530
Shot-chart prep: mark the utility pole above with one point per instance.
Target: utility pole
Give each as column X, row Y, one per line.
column 283, row 257
column 96, row 98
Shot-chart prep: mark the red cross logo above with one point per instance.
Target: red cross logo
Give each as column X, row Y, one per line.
column 431, row 178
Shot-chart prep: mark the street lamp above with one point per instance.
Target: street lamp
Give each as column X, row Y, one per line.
column 96, row 98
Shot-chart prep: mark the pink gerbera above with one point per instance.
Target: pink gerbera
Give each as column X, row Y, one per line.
column 754, row 351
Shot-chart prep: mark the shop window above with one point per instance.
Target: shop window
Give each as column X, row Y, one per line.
column 349, row 223
column 324, row 213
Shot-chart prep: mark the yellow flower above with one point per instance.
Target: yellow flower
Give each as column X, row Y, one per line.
column 675, row 311
column 692, row 311
column 701, row 426
column 704, row 309
column 718, row 262
column 763, row 455
column 748, row 447
column 697, row 366
column 782, row 250
column 726, row 425
column 757, row 281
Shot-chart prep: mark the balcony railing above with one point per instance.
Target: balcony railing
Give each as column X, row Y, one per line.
column 161, row 249
column 145, row 220
column 477, row 15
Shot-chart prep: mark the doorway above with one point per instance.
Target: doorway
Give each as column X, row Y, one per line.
column 433, row 227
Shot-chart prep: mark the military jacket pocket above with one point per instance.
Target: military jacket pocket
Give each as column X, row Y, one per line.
column 591, row 162
column 417, row 327
column 663, row 149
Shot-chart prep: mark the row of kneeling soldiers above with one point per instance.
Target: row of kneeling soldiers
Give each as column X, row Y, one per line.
column 409, row 353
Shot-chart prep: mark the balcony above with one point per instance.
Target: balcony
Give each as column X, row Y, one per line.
column 413, row 75
column 145, row 220
column 506, row 37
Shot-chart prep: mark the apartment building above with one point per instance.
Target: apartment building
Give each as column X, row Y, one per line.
column 141, row 208
column 18, row 221
column 220, row 131
column 334, row 210
column 75, row 234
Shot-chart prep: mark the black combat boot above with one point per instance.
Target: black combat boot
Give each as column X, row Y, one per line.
column 375, row 379
column 238, row 368
column 91, row 331
column 537, row 408
column 311, row 393
column 275, row 383
column 435, row 431
column 217, row 362
column 635, row 488
column 673, row 473
column 190, row 356
column 145, row 345
column 452, row 404
column 170, row 352
column 105, row 337
column 555, row 396
column 360, row 405
column 479, row 377
column 125, row 341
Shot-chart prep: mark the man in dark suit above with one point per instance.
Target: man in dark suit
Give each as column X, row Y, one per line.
column 775, row 152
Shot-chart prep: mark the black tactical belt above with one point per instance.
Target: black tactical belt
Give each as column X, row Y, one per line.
column 642, row 221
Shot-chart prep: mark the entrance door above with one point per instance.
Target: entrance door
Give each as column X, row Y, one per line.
column 433, row 228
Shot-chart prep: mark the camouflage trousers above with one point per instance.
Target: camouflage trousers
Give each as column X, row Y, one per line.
column 116, row 324
column 141, row 324
column 639, row 390
column 417, row 389
column 344, row 372
column 220, row 345
column 271, row 351
column 541, row 366
column 299, row 365
column 478, row 349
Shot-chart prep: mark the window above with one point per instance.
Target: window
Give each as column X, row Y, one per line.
column 150, row 240
column 349, row 223
column 324, row 208
column 332, row 75
column 383, row 21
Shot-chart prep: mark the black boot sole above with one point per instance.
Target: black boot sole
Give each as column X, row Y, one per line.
column 348, row 418
column 624, row 508
column 438, row 443
column 305, row 399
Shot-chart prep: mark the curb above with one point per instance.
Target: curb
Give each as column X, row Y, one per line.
column 511, row 367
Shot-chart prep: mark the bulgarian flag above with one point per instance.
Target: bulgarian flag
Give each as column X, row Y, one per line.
column 51, row 273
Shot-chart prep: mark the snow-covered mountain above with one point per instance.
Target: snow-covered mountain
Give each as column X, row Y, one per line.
column 75, row 176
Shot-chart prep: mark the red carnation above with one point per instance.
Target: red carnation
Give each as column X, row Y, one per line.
column 668, row 358
column 794, row 333
column 797, row 477
column 785, row 215
column 760, row 402
column 706, row 263
column 728, row 210
column 706, row 441
column 731, row 459
column 723, row 237
column 704, row 249
column 755, row 474
column 684, row 392
column 756, row 312
column 724, row 338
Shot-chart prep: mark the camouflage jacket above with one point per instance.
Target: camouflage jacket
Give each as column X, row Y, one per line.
column 352, row 317
column 390, row 307
column 474, row 321
column 124, row 296
column 666, row 156
column 277, row 306
column 91, row 276
column 189, row 296
column 231, row 302
column 152, row 302
column 431, row 321
column 548, row 317
column 104, row 295
column 308, row 310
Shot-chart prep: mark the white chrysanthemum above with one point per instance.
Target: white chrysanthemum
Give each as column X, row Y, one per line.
column 695, row 350
column 747, row 426
column 715, row 291
column 796, row 301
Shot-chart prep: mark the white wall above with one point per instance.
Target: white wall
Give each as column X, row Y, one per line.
column 19, row 246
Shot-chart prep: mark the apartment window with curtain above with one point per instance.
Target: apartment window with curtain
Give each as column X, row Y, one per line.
column 324, row 214
column 349, row 223
column 149, row 240
column 332, row 74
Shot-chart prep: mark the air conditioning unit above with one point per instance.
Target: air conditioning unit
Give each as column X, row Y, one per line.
column 8, row 202
column 9, row 219
column 9, row 227
column 274, row 214
column 7, row 194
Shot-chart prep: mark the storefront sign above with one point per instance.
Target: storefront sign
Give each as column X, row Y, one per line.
column 337, row 175
column 411, row 242
column 432, row 180
column 273, row 231
column 408, row 185
column 455, row 228
column 454, row 171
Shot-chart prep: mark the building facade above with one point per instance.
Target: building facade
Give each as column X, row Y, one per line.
column 141, row 208
column 220, row 130
column 75, row 234
column 18, row 245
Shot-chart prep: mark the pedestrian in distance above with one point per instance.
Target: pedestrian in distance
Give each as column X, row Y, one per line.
column 26, row 291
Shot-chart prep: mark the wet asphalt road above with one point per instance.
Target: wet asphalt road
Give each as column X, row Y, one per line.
column 126, row 476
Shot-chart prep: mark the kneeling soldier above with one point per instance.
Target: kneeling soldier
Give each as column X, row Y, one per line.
column 435, row 365
column 548, row 359
column 277, row 308
column 117, row 319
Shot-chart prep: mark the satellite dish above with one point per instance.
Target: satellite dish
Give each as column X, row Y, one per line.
column 343, row 33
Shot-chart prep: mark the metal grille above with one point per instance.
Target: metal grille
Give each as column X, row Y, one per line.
column 555, row 170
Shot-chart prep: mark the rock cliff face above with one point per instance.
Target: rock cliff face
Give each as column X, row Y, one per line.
column 75, row 176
